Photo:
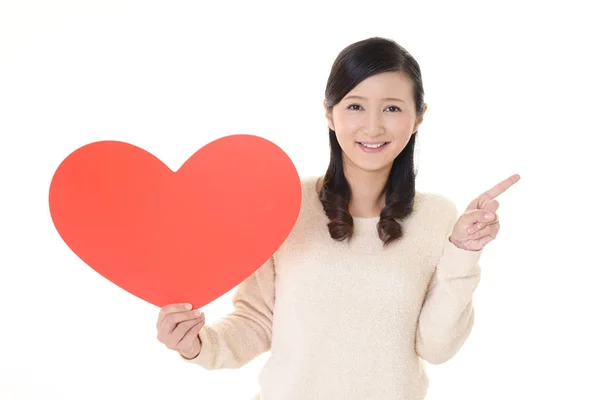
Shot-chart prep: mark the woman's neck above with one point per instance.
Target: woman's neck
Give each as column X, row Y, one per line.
column 368, row 194
column 368, row 191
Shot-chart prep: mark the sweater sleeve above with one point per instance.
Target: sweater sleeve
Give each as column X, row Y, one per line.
column 245, row 333
column 447, row 313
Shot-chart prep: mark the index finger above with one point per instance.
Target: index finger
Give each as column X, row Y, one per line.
column 497, row 190
column 170, row 309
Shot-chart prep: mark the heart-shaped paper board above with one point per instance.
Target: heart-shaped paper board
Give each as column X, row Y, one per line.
column 171, row 237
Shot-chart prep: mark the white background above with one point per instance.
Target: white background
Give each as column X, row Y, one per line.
column 512, row 87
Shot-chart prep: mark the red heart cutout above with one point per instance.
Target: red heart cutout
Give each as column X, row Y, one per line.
column 170, row 237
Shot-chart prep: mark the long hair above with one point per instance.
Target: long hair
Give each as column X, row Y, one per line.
column 354, row 64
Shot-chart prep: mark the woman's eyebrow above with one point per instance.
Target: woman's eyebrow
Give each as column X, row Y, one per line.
column 386, row 99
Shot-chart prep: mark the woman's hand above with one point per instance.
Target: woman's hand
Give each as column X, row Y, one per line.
column 178, row 328
column 479, row 224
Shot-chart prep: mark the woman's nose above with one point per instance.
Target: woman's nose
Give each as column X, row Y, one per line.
column 373, row 125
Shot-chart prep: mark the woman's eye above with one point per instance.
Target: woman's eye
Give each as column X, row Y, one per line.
column 356, row 107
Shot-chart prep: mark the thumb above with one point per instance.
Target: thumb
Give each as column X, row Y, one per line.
column 492, row 206
column 474, row 216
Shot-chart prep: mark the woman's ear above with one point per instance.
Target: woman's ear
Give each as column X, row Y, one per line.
column 420, row 119
column 328, row 115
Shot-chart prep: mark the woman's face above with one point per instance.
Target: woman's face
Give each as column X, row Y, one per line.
column 374, row 121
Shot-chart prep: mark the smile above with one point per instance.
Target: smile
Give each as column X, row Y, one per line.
column 372, row 147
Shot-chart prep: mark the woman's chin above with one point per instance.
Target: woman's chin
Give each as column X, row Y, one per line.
column 374, row 166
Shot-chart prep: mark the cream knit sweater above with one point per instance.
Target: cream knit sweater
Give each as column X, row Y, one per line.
column 351, row 320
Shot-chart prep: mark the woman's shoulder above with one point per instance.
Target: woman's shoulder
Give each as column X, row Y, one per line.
column 309, row 190
column 435, row 203
column 309, row 183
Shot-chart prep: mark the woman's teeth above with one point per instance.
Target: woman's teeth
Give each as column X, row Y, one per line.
column 372, row 146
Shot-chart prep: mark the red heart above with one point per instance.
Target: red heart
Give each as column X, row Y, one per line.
column 169, row 237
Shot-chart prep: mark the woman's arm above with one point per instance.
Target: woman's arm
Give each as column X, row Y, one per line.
column 245, row 333
column 447, row 314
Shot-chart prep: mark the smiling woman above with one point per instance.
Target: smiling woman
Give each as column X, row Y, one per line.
column 375, row 277
column 351, row 124
column 372, row 130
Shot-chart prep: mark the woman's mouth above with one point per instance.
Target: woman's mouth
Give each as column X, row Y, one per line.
column 372, row 147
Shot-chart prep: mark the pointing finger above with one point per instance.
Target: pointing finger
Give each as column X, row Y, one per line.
column 497, row 190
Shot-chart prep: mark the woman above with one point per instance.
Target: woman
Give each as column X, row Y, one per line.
column 375, row 277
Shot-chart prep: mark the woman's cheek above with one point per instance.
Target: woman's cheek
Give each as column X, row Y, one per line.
column 350, row 124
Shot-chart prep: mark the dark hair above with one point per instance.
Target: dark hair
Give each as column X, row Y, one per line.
column 355, row 63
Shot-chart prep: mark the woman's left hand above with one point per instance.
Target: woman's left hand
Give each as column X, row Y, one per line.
column 479, row 224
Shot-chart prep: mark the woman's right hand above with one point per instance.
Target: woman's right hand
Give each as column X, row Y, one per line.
column 178, row 327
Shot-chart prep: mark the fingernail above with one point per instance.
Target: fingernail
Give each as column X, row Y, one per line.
column 489, row 216
column 188, row 306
